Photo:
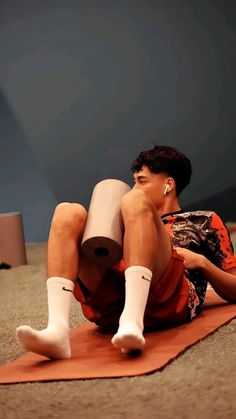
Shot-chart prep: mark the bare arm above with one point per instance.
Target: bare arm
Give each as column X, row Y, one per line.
column 223, row 282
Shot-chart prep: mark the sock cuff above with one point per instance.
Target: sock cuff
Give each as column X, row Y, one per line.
column 137, row 268
column 60, row 281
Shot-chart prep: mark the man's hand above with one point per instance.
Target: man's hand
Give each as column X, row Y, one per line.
column 192, row 260
column 224, row 283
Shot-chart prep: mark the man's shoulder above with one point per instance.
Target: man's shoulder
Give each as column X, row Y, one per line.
column 185, row 214
column 197, row 213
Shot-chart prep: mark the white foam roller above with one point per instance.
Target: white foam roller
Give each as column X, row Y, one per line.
column 12, row 241
column 102, row 241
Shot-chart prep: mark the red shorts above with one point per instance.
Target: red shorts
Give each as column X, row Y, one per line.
column 167, row 303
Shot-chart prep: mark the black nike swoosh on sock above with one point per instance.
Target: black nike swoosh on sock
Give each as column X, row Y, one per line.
column 66, row 289
column 146, row 279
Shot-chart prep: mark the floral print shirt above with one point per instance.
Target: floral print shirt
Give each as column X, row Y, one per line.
column 205, row 233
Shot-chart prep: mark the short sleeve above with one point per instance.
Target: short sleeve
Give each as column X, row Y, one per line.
column 223, row 248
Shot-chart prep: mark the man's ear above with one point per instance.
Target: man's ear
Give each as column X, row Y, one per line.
column 170, row 183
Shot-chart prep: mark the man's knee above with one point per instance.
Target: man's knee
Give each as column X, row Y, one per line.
column 69, row 217
column 136, row 202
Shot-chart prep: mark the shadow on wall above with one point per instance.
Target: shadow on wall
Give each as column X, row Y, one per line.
column 224, row 203
column 22, row 185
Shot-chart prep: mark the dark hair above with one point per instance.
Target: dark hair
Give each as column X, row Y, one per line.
column 164, row 159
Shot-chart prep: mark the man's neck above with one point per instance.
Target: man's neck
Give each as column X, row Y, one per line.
column 168, row 207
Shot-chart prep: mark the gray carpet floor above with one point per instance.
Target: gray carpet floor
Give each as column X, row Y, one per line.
column 201, row 383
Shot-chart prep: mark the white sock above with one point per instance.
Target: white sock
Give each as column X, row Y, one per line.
column 130, row 333
column 53, row 341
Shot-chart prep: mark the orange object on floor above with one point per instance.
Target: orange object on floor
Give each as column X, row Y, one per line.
column 93, row 356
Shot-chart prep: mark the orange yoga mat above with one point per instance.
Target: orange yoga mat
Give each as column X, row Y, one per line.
column 93, row 356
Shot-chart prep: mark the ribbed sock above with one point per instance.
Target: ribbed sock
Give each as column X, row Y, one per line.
column 130, row 332
column 53, row 341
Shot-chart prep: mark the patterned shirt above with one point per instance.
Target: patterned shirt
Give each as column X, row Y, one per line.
column 202, row 232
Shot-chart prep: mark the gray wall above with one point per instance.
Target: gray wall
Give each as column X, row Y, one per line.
column 89, row 84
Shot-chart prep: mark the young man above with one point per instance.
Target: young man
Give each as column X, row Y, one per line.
column 168, row 258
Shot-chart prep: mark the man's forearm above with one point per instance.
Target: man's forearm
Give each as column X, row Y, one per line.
column 224, row 283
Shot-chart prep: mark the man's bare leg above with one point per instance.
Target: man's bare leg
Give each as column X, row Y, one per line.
column 147, row 251
column 62, row 268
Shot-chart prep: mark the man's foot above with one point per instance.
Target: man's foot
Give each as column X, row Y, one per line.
column 51, row 342
column 128, row 338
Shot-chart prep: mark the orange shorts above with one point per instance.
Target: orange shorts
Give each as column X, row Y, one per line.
column 167, row 303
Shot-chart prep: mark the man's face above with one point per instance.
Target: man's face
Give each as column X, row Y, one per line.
column 153, row 184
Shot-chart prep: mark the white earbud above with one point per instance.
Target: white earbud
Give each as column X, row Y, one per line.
column 166, row 189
